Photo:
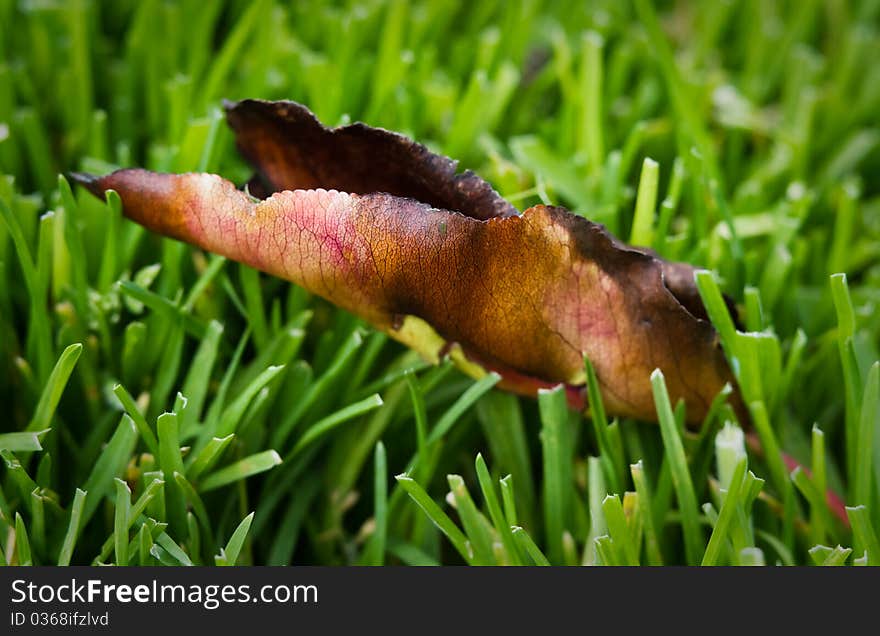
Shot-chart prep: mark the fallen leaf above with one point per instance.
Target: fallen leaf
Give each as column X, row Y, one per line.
column 382, row 227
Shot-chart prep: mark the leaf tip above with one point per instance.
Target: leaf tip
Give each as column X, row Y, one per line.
column 90, row 182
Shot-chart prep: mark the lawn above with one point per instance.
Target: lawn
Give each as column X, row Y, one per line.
column 163, row 405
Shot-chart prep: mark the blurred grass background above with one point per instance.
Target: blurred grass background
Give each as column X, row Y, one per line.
column 166, row 406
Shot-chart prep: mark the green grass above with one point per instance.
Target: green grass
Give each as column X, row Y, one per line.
column 165, row 406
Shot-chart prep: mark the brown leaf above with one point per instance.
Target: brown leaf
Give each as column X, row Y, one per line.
column 382, row 227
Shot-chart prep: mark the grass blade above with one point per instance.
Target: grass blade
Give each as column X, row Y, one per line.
column 234, row 413
column 475, row 526
column 208, row 456
column 195, row 386
column 121, row 516
column 54, row 387
column 868, row 421
column 646, row 205
column 652, row 543
column 618, row 530
column 110, row 465
column 73, row 527
column 324, row 425
column 681, row 477
column 529, row 546
column 170, row 461
column 242, row 469
column 495, row 513
column 461, row 405
column 380, row 503
column 138, row 418
column 229, row 555
column 728, row 510
column 864, row 534
column 553, row 407
column 22, row 544
column 435, row 514
column 612, row 462
column 22, row 442
column 172, row 549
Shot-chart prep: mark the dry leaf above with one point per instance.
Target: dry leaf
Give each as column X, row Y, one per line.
column 382, row 227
